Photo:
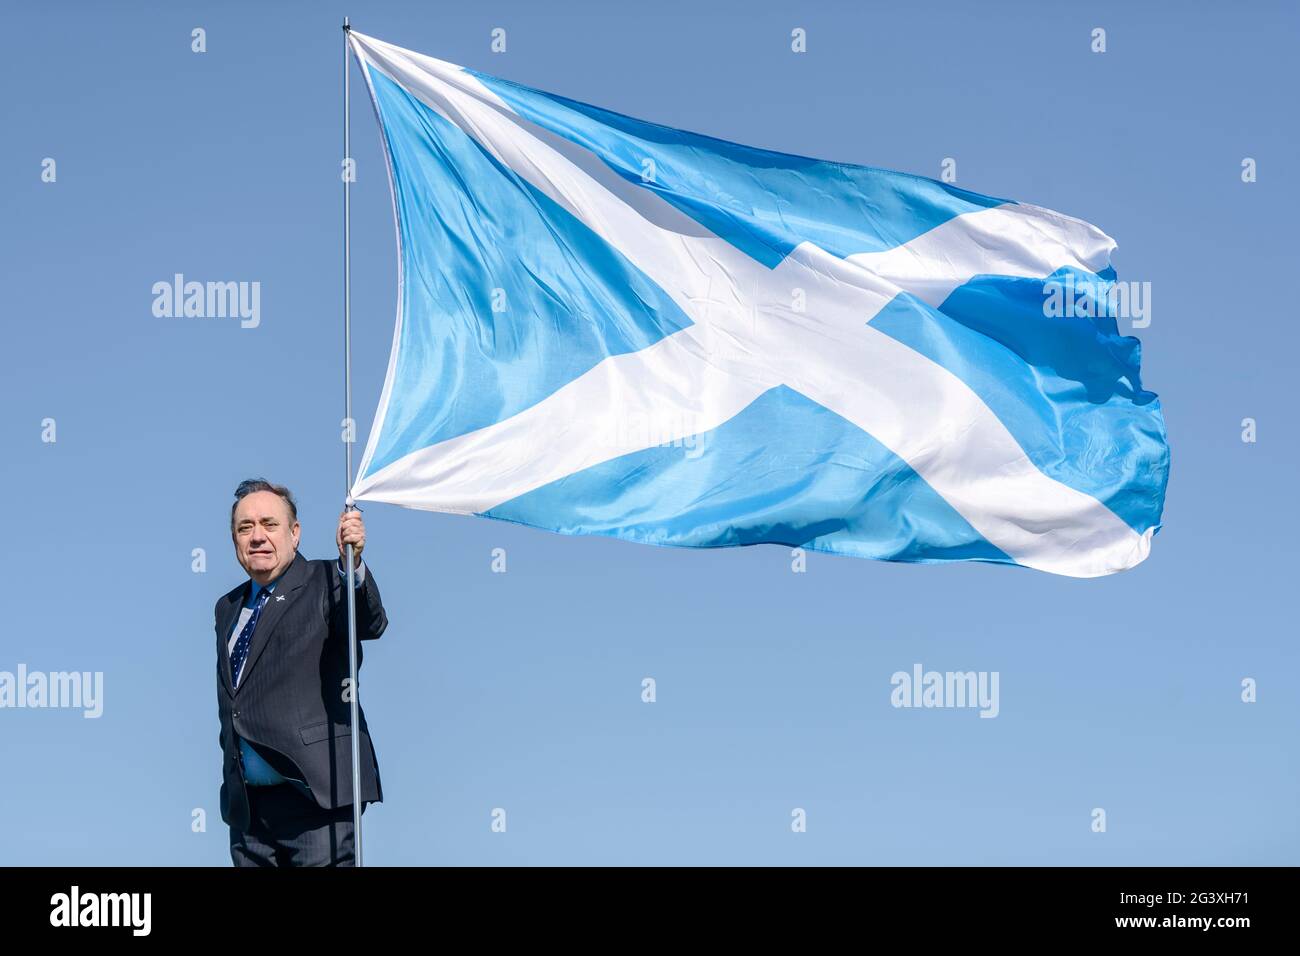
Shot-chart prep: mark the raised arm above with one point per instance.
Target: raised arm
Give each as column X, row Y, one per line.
column 371, row 619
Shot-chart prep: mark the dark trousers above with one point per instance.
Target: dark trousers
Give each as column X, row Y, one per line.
column 288, row 828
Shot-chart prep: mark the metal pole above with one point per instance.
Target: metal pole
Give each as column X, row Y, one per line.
column 347, row 445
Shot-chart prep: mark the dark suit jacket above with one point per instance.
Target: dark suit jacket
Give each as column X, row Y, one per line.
column 290, row 702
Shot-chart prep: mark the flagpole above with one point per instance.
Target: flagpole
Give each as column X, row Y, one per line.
column 347, row 445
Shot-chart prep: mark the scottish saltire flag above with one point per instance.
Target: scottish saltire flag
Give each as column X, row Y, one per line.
column 607, row 326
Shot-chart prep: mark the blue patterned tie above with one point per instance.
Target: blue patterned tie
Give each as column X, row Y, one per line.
column 246, row 637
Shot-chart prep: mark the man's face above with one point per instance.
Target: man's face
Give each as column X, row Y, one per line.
column 266, row 538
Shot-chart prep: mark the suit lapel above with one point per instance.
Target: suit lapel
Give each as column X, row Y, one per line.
column 291, row 583
column 229, row 615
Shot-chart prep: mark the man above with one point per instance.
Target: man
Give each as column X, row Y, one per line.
column 282, row 688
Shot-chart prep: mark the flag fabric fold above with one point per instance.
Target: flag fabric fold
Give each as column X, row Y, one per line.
column 608, row 326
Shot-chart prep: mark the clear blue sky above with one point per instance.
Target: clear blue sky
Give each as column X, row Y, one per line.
column 522, row 690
